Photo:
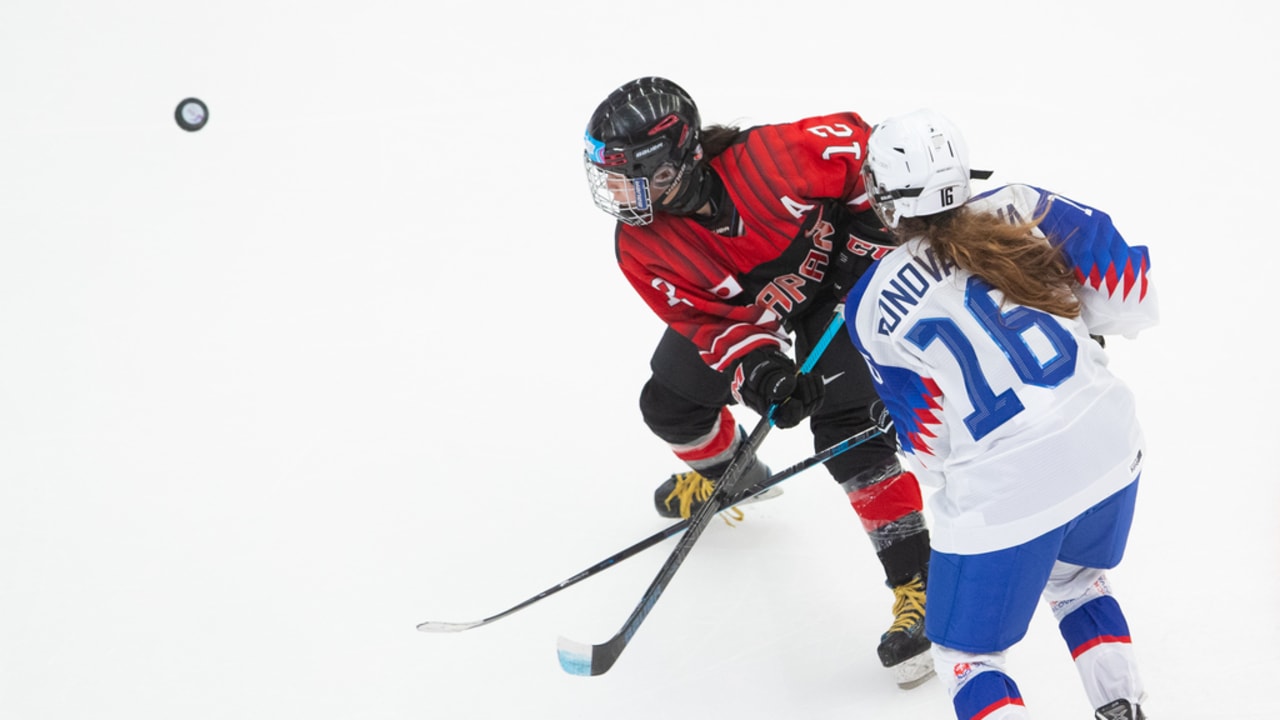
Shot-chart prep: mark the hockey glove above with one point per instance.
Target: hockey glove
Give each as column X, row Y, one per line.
column 766, row 377
column 868, row 241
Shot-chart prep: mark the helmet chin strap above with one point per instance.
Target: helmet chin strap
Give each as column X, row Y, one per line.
column 695, row 190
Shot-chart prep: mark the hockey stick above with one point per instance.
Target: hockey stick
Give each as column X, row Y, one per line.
column 654, row 539
column 581, row 659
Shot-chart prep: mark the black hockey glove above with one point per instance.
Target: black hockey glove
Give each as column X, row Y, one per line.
column 868, row 241
column 766, row 377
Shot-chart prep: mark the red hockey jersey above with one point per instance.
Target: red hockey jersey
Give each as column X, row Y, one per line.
column 794, row 187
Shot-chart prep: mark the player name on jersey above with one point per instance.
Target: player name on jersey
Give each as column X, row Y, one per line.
column 909, row 285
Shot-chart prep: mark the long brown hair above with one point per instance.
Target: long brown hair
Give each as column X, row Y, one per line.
column 716, row 139
column 1011, row 257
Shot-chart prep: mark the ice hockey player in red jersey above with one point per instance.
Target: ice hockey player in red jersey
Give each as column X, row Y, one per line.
column 739, row 239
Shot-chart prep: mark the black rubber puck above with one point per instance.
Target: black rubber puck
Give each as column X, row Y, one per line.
column 191, row 114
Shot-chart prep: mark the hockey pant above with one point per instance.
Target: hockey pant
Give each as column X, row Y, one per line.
column 687, row 405
column 971, row 630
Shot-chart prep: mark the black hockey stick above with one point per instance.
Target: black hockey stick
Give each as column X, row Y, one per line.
column 654, row 539
column 581, row 659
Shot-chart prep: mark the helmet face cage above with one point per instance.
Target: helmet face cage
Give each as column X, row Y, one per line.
column 886, row 202
column 627, row 199
column 630, row 199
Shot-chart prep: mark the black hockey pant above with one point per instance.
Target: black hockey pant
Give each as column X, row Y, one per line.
column 684, row 399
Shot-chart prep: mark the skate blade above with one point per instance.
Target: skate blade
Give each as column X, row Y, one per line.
column 733, row 515
column 769, row 494
column 914, row 671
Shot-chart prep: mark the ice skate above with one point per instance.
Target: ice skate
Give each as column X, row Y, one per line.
column 904, row 649
column 683, row 493
column 1119, row 710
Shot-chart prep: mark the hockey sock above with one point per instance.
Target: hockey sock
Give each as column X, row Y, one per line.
column 1098, row 637
column 978, row 686
column 888, row 502
column 711, row 453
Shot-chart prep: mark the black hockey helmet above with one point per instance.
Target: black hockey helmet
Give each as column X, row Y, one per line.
column 639, row 142
column 643, row 125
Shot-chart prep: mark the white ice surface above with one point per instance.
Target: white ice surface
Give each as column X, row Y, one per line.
column 356, row 355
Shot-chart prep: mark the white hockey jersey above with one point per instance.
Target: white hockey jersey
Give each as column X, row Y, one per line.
column 1009, row 411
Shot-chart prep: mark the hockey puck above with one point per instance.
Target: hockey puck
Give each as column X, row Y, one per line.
column 191, row 114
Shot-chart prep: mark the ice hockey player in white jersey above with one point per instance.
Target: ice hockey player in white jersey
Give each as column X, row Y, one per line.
column 979, row 332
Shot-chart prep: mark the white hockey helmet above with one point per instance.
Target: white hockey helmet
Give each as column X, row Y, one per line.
column 917, row 164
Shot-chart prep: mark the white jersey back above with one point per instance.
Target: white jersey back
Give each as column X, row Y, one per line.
column 1010, row 411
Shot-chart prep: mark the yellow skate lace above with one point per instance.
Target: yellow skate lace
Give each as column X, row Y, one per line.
column 693, row 486
column 908, row 605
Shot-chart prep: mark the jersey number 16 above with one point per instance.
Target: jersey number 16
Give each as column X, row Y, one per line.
column 1008, row 331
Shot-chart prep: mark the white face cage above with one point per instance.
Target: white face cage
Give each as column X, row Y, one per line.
column 627, row 199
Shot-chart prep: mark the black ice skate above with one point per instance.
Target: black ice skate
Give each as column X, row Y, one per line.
column 683, row 493
column 904, row 647
column 1119, row 710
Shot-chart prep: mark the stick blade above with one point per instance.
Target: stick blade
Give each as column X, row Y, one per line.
column 587, row 660
column 432, row 626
